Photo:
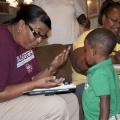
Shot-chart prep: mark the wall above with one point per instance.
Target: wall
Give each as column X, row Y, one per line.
column 83, row 5
column 5, row 17
column 94, row 22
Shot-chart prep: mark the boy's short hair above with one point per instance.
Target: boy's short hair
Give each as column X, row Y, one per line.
column 103, row 39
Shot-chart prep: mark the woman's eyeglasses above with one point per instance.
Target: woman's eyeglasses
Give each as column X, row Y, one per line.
column 37, row 34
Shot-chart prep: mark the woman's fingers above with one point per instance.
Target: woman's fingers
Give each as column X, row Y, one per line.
column 60, row 59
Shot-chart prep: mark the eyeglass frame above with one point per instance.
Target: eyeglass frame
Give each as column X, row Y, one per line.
column 37, row 34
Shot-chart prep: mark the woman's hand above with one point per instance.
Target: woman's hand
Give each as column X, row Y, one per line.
column 59, row 60
column 47, row 82
column 13, row 91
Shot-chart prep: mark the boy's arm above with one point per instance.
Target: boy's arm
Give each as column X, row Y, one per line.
column 104, row 107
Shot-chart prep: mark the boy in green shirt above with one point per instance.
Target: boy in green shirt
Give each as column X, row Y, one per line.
column 101, row 96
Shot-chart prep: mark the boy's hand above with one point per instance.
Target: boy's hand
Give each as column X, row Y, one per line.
column 116, row 57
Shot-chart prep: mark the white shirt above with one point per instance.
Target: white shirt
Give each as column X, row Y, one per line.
column 63, row 13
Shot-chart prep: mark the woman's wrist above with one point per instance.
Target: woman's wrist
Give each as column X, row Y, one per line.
column 51, row 69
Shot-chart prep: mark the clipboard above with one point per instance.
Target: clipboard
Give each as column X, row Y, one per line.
column 62, row 89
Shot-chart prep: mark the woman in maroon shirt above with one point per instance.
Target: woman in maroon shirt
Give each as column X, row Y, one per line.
column 20, row 72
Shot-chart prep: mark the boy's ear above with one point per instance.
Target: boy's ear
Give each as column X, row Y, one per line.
column 94, row 52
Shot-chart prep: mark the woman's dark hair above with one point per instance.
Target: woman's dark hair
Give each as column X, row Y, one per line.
column 107, row 6
column 31, row 13
column 83, row 20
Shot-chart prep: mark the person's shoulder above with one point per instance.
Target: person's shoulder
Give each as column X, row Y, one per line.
column 5, row 36
column 2, row 27
column 80, row 40
column 83, row 35
column 117, row 47
column 3, row 30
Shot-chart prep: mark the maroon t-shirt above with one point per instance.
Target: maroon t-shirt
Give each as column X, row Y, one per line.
column 17, row 64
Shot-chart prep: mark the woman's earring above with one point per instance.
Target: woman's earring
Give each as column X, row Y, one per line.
column 19, row 31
